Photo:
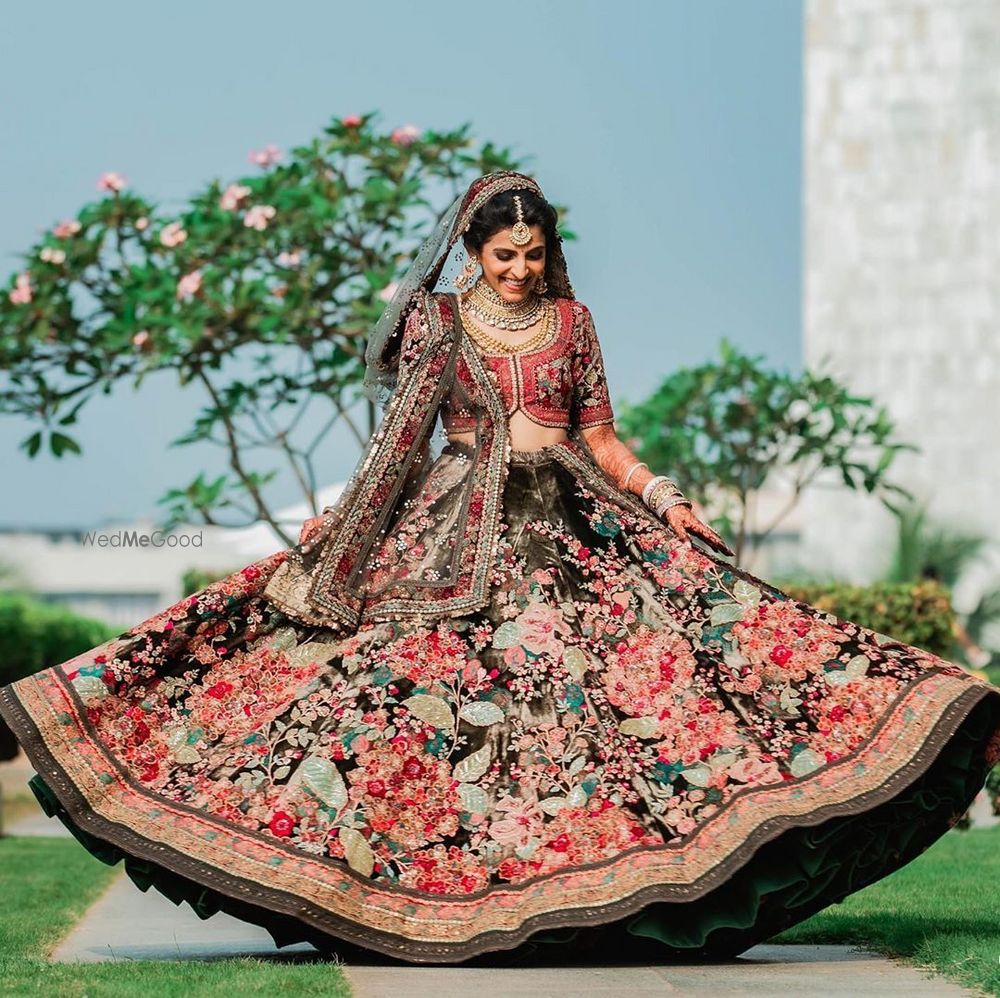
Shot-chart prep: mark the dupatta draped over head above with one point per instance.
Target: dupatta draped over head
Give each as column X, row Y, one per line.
column 415, row 531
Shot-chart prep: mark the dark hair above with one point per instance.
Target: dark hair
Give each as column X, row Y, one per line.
column 500, row 213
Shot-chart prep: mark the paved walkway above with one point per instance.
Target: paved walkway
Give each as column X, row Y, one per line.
column 127, row 924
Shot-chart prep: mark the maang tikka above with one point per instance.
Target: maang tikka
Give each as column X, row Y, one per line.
column 520, row 234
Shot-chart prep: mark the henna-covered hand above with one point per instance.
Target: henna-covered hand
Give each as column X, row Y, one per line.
column 682, row 520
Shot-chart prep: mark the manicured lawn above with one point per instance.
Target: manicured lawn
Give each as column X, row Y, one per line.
column 942, row 911
column 47, row 884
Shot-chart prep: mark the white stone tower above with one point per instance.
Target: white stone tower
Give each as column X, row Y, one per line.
column 902, row 254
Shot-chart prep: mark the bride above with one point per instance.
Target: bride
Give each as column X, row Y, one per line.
column 504, row 691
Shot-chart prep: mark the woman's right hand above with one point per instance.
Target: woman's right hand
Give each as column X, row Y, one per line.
column 310, row 527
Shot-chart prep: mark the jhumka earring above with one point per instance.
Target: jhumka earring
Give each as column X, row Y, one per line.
column 540, row 286
column 520, row 234
column 463, row 280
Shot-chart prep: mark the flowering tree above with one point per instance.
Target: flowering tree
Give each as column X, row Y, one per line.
column 262, row 292
column 724, row 429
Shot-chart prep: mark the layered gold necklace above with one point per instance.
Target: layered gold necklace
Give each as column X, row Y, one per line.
column 487, row 305
column 490, row 344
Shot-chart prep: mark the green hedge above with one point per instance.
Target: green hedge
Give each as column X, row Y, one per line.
column 916, row 613
column 36, row 635
column 196, row 579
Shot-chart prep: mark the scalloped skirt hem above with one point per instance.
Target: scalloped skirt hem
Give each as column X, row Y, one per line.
column 795, row 875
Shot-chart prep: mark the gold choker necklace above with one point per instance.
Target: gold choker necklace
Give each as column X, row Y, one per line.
column 490, row 344
column 487, row 305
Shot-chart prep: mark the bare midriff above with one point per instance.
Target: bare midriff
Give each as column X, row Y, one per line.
column 523, row 432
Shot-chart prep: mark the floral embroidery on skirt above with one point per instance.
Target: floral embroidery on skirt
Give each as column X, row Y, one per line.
column 624, row 706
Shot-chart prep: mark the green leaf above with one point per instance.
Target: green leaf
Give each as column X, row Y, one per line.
column 641, row 727
column 357, row 852
column 431, row 710
column 481, row 713
column 473, row 765
column 323, row 780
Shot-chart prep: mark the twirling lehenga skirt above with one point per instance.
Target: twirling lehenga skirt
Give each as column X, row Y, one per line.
column 633, row 742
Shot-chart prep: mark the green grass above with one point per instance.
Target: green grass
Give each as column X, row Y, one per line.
column 47, row 884
column 940, row 912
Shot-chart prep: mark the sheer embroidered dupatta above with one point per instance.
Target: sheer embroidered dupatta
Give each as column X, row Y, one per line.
column 415, row 530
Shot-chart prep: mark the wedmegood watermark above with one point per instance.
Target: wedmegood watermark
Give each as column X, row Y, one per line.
column 141, row 539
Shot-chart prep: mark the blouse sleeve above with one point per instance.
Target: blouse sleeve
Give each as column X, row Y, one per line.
column 591, row 399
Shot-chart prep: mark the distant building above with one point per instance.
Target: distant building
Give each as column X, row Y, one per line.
column 117, row 580
column 902, row 253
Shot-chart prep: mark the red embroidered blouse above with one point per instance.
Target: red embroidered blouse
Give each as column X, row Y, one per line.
column 560, row 384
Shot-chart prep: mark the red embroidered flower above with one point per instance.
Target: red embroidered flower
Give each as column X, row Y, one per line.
column 250, row 573
column 281, row 824
column 413, row 768
column 149, row 773
column 219, row 690
column 560, row 843
column 837, row 713
column 780, row 654
column 376, row 788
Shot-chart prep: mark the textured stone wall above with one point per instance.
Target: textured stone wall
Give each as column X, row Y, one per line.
column 902, row 252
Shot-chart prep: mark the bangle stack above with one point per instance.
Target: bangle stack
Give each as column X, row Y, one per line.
column 660, row 494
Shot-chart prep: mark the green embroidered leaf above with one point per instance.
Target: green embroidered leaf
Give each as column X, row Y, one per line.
column 186, row 755
column 473, row 798
column 641, row 727
column 283, row 639
column 857, row 666
column 746, row 594
column 90, row 688
column 576, row 662
column 724, row 613
column 433, row 710
column 177, row 738
column 577, row 764
column 805, row 762
column 357, row 852
column 577, row 797
column 481, row 713
column 553, row 805
column 506, row 635
column 698, row 775
column 473, row 765
column 323, row 780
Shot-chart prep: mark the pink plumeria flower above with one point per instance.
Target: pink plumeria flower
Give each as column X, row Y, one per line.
column 21, row 294
column 141, row 338
column 232, row 196
column 288, row 258
column 65, row 229
column 111, row 181
column 173, row 235
column 52, row 255
column 189, row 285
column 351, row 120
column 265, row 157
column 141, row 224
column 405, row 135
column 258, row 216
column 388, row 291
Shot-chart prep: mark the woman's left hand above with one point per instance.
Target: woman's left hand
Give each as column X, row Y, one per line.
column 682, row 519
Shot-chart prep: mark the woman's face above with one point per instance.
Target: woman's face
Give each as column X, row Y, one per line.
column 513, row 271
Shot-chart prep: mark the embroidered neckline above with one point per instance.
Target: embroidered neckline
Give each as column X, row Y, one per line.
column 560, row 330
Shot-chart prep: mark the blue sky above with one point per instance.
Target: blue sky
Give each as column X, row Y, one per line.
column 671, row 129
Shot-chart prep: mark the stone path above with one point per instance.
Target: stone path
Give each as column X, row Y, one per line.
column 127, row 924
